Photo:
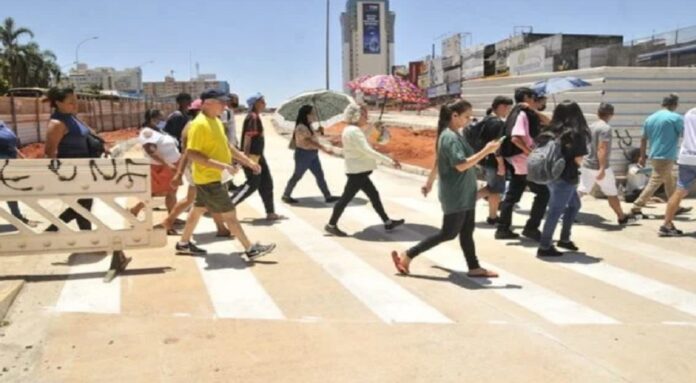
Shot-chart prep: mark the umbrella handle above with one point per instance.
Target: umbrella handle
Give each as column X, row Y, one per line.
column 384, row 104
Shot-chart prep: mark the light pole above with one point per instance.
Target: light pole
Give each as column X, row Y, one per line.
column 328, row 6
column 77, row 49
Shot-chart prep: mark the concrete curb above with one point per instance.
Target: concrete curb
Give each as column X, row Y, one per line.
column 338, row 152
column 8, row 292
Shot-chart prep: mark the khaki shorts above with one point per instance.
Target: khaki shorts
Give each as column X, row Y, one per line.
column 214, row 197
column 588, row 179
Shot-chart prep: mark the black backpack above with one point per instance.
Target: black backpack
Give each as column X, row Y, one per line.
column 474, row 134
column 508, row 149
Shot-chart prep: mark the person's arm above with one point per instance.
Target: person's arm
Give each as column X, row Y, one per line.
column 183, row 165
column 54, row 134
column 151, row 150
column 603, row 157
column 643, row 150
column 519, row 142
column 501, row 165
column 367, row 149
column 244, row 160
column 472, row 161
column 249, row 135
column 431, row 180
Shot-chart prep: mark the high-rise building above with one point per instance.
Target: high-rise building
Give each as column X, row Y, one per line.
column 128, row 80
column 170, row 87
column 368, row 38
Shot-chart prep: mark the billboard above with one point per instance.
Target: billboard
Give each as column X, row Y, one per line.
column 438, row 72
column 452, row 49
column 525, row 61
column 372, row 41
column 414, row 70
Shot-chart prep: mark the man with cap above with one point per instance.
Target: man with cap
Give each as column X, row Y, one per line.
column 662, row 130
column 207, row 147
column 253, row 144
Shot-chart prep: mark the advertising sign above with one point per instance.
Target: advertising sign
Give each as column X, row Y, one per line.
column 525, row 61
column 371, row 29
column 452, row 49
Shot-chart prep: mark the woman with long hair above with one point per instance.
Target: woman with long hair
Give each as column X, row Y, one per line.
column 307, row 147
column 456, row 162
column 569, row 126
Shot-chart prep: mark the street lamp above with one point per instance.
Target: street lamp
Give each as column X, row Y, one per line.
column 77, row 49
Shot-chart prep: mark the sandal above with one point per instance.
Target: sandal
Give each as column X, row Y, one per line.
column 403, row 270
column 482, row 273
column 173, row 232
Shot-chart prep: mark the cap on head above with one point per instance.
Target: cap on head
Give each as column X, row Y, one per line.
column 251, row 101
column 214, row 94
column 196, row 104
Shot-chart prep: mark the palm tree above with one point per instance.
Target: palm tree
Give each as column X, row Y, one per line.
column 12, row 50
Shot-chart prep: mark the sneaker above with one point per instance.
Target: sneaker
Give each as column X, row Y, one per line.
column 506, row 234
column 334, row 230
column 683, row 210
column 666, row 231
column 629, row 218
column 393, row 224
column 533, row 234
column 258, row 250
column 289, row 200
column 332, row 199
column 189, row 249
column 550, row 252
column 492, row 221
column 568, row 245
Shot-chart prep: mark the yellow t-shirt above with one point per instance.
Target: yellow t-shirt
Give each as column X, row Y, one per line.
column 207, row 136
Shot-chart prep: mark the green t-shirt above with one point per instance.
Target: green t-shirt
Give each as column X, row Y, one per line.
column 457, row 189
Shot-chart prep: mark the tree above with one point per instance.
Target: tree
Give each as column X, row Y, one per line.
column 12, row 51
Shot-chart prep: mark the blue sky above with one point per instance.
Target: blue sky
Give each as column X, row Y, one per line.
column 277, row 46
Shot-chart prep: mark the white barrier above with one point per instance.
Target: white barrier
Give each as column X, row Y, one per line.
column 46, row 187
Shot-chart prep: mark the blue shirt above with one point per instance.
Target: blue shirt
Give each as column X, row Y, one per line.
column 662, row 130
column 8, row 142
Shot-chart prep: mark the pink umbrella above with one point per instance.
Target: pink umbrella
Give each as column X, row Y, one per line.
column 389, row 87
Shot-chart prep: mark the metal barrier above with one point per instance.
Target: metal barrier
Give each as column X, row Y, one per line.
column 46, row 186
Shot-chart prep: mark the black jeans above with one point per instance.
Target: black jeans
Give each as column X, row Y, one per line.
column 357, row 182
column 460, row 223
column 262, row 182
column 69, row 214
column 307, row 160
column 518, row 183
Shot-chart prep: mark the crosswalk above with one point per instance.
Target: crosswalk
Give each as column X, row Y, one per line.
column 235, row 290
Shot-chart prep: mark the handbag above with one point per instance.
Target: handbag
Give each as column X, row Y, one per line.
column 95, row 145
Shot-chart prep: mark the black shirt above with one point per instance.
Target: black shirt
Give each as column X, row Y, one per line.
column 252, row 131
column 492, row 129
column 175, row 125
column 573, row 144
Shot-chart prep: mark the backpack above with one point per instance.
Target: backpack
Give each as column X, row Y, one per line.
column 474, row 134
column 546, row 163
column 508, row 149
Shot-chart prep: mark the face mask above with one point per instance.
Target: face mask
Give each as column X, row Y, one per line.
column 315, row 125
column 160, row 125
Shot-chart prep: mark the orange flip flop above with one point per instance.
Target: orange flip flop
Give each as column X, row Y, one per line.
column 486, row 274
column 397, row 263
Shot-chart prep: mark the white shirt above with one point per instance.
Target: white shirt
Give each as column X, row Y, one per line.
column 687, row 154
column 228, row 121
column 359, row 155
column 167, row 146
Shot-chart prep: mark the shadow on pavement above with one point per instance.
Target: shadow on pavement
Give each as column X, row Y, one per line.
column 460, row 279
column 235, row 261
column 318, row 203
column 82, row 259
column 595, row 220
column 376, row 233
column 573, row 257
column 91, row 275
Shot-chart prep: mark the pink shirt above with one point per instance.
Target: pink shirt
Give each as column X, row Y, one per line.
column 521, row 129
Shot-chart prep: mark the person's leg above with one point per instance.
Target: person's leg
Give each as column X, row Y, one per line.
column 656, row 180
column 248, row 188
column 180, row 207
column 353, row 185
column 170, row 201
column 608, row 187
column 466, row 239
column 266, row 189
column 668, row 177
column 302, row 163
column 318, row 172
column 14, row 210
column 686, row 179
column 451, row 226
column 541, row 200
column 513, row 195
column 373, row 195
column 230, row 218
column 191, row 223
column 135, row 210
column 82, row 222
column 560, row 193
column 571, row 211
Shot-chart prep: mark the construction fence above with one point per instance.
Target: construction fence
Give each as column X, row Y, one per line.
column 28, row 117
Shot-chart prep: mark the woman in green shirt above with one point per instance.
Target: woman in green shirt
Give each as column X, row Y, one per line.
column 456, row 163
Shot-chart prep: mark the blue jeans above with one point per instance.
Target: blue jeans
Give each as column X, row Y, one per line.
column 307, row 160
column 564, row 200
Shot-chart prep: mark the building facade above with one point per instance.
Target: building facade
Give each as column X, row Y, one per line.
column 170, row 87
column 129, row 80
column 368, row 38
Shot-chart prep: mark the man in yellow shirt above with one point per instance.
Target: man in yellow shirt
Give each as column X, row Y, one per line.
column 208, row 148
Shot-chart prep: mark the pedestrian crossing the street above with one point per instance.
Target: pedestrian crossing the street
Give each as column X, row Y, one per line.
column 236, row 292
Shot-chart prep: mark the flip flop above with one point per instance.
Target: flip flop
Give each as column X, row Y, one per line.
column 485, row 274
column 173, row 232
column 397, row 263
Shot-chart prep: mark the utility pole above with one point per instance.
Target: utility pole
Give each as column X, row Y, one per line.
column 328, row 7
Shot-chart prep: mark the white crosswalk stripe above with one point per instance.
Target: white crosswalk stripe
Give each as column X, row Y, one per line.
column 85, row 292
